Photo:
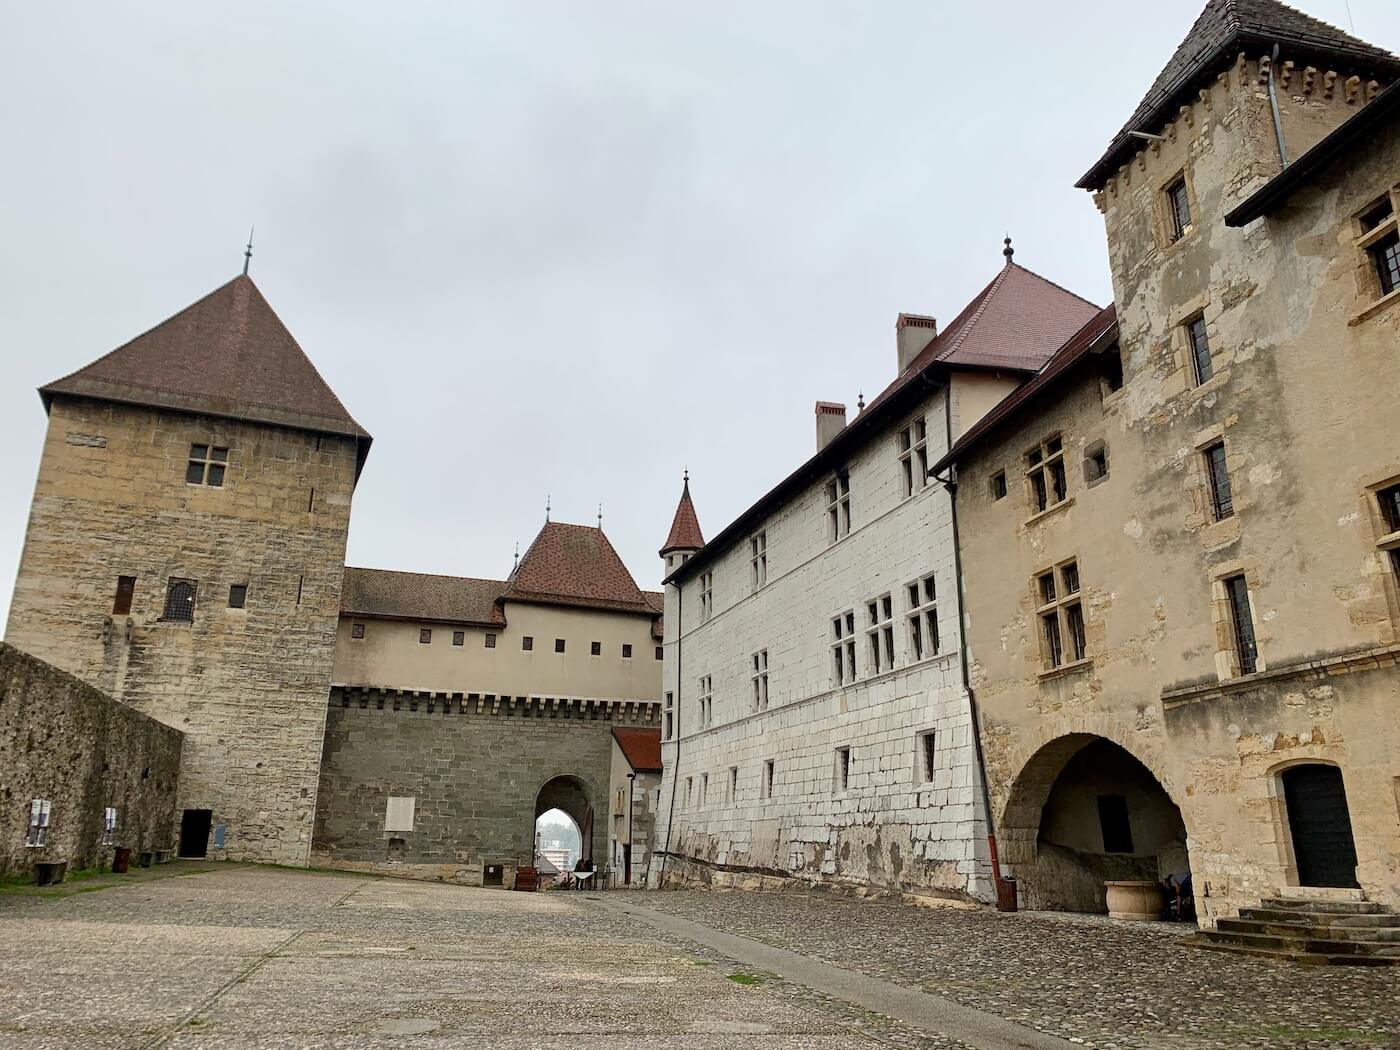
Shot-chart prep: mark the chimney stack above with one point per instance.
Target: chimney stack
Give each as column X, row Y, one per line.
column 831, row 420
column 912, row 332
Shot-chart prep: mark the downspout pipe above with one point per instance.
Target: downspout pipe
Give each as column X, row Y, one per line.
column 950, row 485
column 675, row 736
column 1273, row 108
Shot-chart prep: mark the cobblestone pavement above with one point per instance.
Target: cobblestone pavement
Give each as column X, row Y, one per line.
column 245, row 957
column 1090, row 980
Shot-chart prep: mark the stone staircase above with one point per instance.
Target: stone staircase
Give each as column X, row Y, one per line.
column 1333, row 927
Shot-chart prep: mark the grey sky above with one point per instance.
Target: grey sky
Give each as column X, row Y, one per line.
column 553, row 248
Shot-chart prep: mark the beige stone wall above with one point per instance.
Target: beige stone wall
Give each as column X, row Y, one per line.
column 247, row 686
column 391, row 655
column 1304, row 383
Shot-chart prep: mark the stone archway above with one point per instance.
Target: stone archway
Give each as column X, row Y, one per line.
column 573, row 796
column 1081, row 812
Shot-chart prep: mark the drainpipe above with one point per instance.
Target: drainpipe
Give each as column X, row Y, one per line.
column 950, row 484
column 1273, row 107
column 676, row 736
column 627, row 857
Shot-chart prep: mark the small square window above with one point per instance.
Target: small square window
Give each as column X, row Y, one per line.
column 527, row 644
column 658, row 652
column 425, row 636
column 558, row 645
column 998, row 485
column 490, row 641
column 1096, row 463
column 237, row 595
column 459, row 637
column 595, row 648
column 206, row 466
column 357, row 630
column 626, row 651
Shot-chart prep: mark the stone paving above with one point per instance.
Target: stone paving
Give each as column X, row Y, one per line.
column 1083, row 978
column 256, row 957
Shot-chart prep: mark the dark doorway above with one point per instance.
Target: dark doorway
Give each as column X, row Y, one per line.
column 1321, row 826
column 194, row 832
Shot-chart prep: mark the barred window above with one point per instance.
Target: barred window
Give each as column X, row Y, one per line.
column 1199, row 343
column 206, row 466
column 179, row 601
column 1221, row 501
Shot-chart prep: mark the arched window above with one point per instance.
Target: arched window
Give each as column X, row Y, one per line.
column 179, row 601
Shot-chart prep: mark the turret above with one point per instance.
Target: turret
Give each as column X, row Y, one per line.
column 685, row 537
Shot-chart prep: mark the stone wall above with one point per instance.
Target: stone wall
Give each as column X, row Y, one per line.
column 475, row 768
column 247, row 685
column 64, row 741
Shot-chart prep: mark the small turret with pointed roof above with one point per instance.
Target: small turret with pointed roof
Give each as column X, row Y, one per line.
column 685, row 537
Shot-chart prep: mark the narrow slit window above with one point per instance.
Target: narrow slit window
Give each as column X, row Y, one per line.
column 928, row 755
column 838, row 507
column 843, row 648
column 1221, row 501
column 843, row 769
column 913, row 456
column 1178, row 208
column 1242, row 620
column 126, row 588
column 1198, row 341
column 759, row 680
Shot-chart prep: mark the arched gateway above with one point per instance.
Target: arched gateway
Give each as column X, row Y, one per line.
column 1083, row 811
column 570, row 795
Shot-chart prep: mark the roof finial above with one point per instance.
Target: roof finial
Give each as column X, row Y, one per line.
column 686, row 476
column 546, row 509
column 248, row 252
column 516, row 564
column 860, row 401
column 600, row 516
column 1008, row 251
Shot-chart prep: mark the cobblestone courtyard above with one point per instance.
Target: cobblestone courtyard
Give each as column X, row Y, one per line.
column 253, row 957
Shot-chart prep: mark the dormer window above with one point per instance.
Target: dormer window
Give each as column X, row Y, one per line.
column 1178, row 208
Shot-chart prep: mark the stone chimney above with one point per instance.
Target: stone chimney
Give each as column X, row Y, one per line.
column 831, row 420
column 912, row 332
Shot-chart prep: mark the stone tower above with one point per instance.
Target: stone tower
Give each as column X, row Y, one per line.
column 685, row 537
column 185, row 551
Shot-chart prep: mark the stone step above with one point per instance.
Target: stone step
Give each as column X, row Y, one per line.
column 1329, row 907
column 1320, row 893
column 1303, row 945
column 1383, row 918
column 1302, row 958
column 1329, row 930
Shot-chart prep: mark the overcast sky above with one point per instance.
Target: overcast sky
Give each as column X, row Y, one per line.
column 563, row 249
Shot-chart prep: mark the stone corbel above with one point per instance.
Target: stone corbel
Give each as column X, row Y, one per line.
column 1187, row 115
column 1353, row 87
column 1241, row 68
column 1329, row 81
column 1286, row 76
column 1204, row 96
column 1309, row 76
column 1142, row 160
column 1100, row 202
column 1373, row 88
column 1265, row 64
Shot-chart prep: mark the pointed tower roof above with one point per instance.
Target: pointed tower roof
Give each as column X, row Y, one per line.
column 1225, row 28
column 575, row 565
column 227, row 355
column 685, row 534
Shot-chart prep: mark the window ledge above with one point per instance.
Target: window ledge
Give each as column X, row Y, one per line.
column 1073, row 667
column 1382, row 231
column 1367, row 312
column 1039, row 516
column 1389, row 541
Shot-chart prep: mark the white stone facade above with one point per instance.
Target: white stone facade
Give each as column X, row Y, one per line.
column 892, row 825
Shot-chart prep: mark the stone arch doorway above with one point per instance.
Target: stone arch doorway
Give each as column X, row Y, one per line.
column 572, row 796
column 1319, row 825
column 1084, row 811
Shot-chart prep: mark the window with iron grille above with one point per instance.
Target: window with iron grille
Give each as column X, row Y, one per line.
column 659, row 652
column 1198, row 342
column 558, row 645
column 843, row 648
column 357, row 630
column 879, row 633
column 1388, row 499
column 126, row 588
column 1242, row 620
column 490, row 641
column 1061, row 613
column 1222, row 503
column 527, row 644
column 758, row 680
column 707, row 595
column 40, row 810
column 1178, row 208
column 1045, row 473
column 179, row 601
column 913, row 456
column 595, row 648
column 838, row 507
column 626, row 651
column 459, row 637
column 705, row 702
column 1385, row 256
column 758, row 561
column 425, row 636
column 109, row 825
column 921, row 618
column 206, row 466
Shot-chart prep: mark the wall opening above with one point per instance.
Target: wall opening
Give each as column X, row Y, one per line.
column 1319, row 825
column 569, row 797
column 194, row 832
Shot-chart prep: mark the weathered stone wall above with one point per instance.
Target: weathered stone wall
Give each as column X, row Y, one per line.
column 891, row 826
column 1304, row 380
column 64, row 741
column 247, row 686
column 475, row 767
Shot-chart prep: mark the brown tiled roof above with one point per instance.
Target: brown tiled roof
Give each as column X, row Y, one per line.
column 226, row 355
column 1101, row 329
column 641, row 748
column 685, row 531
column 419, row 596
column 575, row 565
column 1223, row 30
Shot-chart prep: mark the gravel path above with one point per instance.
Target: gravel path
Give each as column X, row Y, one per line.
column 1090, row 980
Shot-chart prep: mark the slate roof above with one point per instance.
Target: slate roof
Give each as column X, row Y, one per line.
column 575, row 565
column 685, row 531
column 228, row 355
column 1099, row 332
column 641, row 748
column 420, row 596
column 1223, row 30
column 1014, row 324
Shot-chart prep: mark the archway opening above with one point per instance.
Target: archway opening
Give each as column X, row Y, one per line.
column 1319, row 825
column 1084, row 812
column 563, row 804
column 558, row 842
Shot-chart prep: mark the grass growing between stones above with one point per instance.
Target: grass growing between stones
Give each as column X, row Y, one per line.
column 90, row 880
column 745, row 978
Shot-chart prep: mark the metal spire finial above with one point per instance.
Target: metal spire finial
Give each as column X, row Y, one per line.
column 1008, row 251
column 516, row 564
column 546, row 509
column 600, row 516
column 860, row 401
column 248, row 252
column 686, row 476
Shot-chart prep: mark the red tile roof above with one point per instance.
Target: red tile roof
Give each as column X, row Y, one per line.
column 685, row 531
column 575, row 565
column 641, row 748
column 420, row 596
column 226, row 355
